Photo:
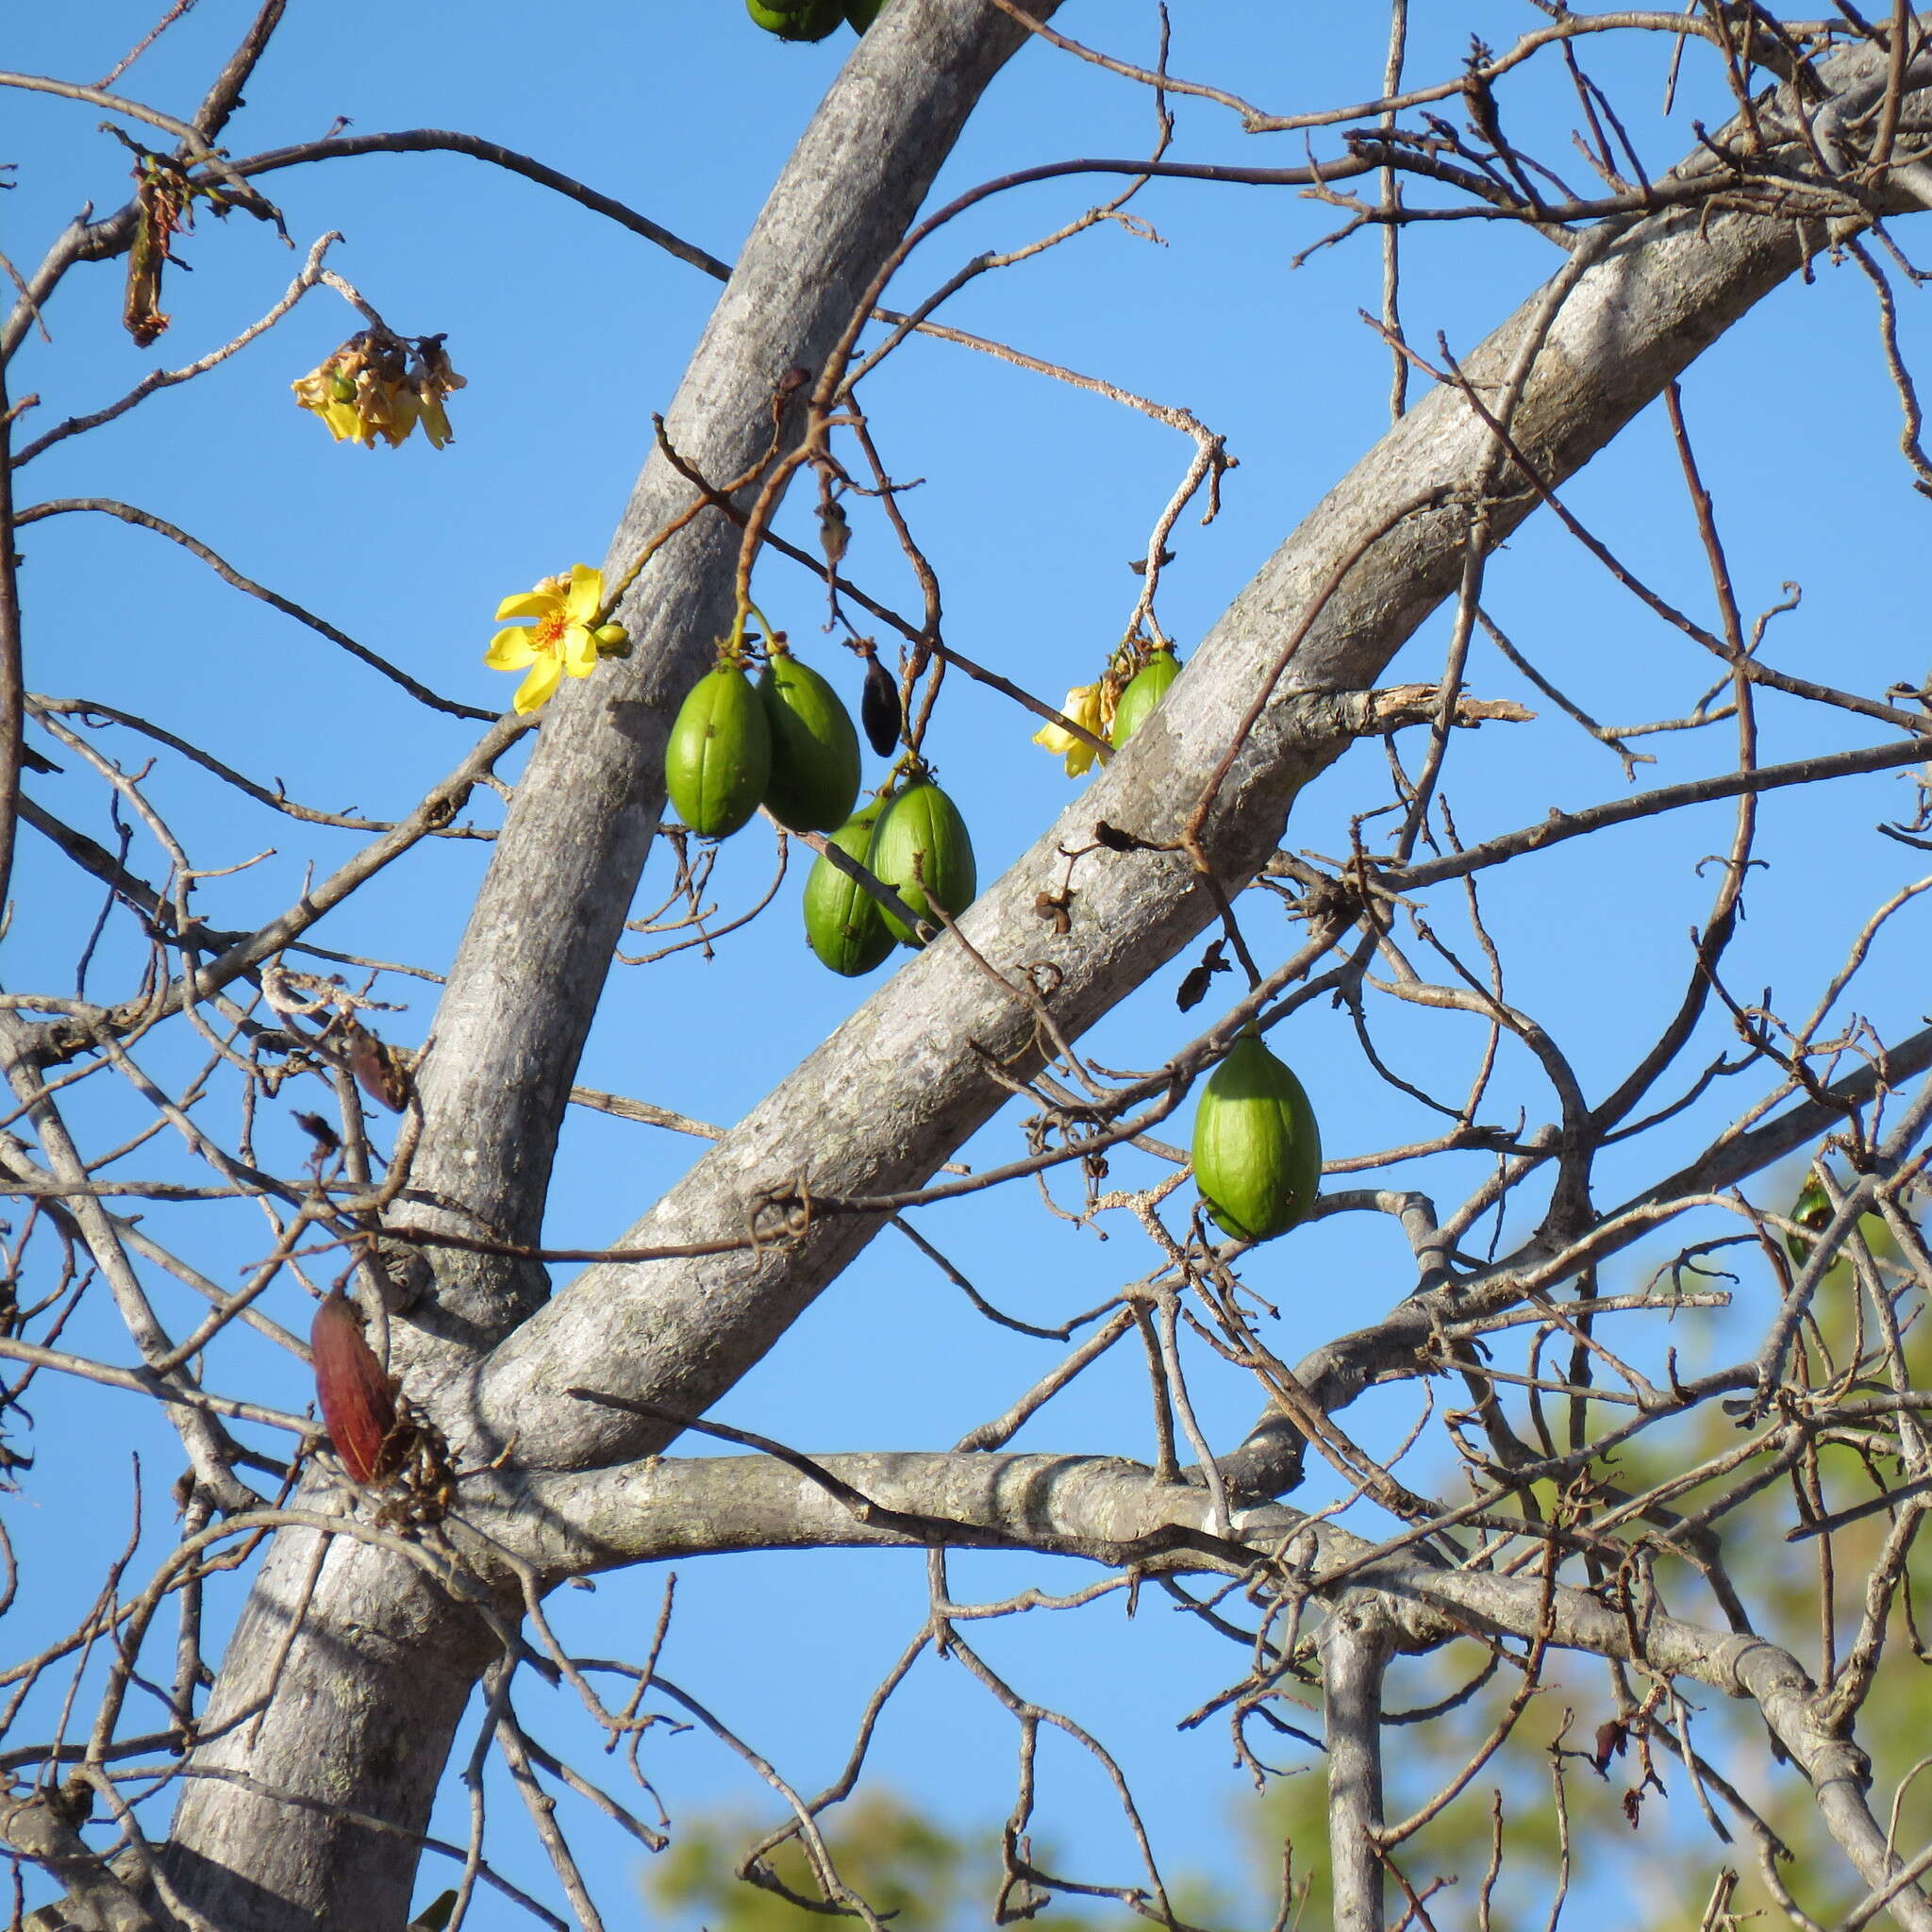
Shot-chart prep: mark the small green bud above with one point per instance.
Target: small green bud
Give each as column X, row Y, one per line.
column 612, row 640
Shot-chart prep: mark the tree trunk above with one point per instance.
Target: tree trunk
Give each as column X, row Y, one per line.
column 370, row 1694
column 1355, row 1648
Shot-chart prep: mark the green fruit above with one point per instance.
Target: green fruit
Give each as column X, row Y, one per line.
column 843, row 923
column 922, row 850
column 861, row 14
column 1812, row 1209
column 800, row 20
column 814, row 749
column 1145, row 690
column 1258, row 1151
column 719, row 759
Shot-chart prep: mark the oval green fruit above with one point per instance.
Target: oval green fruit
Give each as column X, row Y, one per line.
column 801, row 20
column 814, row 777
column 922, row 850
column 861, row 14
column 1258, row 1151
column 1145, row 690
column 719, row 759
column 1812, row 1209
column 843, row 923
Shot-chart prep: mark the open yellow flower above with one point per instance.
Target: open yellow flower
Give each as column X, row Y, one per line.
column 550, row 635
column 1083, row 706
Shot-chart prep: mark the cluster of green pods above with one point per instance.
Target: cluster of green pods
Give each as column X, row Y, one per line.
column 786, row 742
column 912, row 840
column 811, row 19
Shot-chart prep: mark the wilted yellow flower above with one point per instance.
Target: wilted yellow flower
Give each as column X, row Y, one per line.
column 332, row 396
column 550, row 634
column 375, row 385
column 1083, row 706
column 434, row 379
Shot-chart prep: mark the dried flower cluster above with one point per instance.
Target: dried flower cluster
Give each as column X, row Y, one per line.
column 379, row 385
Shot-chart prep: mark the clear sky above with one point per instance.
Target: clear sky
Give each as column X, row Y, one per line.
column 570, row 333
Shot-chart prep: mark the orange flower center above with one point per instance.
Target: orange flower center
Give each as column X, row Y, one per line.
column 548, row 635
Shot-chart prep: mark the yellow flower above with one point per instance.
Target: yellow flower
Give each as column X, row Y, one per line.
column 1084, row 707
column 551, row 633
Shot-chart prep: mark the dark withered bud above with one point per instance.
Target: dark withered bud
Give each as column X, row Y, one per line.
column 1193, row 989
column 359, row 1401
column 879, row 708
column 318, row 1131
column 835, row 535
column 1054, row 906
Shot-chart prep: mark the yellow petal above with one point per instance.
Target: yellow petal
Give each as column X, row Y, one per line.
column 510, row 650
column 586, row 593
column 579, row 651
column 529, row 604
column 436, row 423
column 537, row 687
column 1083, row 707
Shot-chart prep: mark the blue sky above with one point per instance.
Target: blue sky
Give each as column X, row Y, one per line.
column 570, row 333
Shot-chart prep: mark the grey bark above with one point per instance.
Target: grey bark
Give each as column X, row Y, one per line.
column 1357, row 1644
column 383, row 1668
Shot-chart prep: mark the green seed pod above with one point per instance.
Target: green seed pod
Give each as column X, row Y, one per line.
column 814, row 749
column 1258, row 1150
column 1812, row 1209
column 922, row 850
column 342, row 389
column 719, row 759
column 1145, row 690
column 800, row 20
column 843, row 923
column 861, row 14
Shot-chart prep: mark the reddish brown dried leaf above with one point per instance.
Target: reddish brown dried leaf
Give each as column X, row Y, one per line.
column 359, row 1401
column 378, row 1068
